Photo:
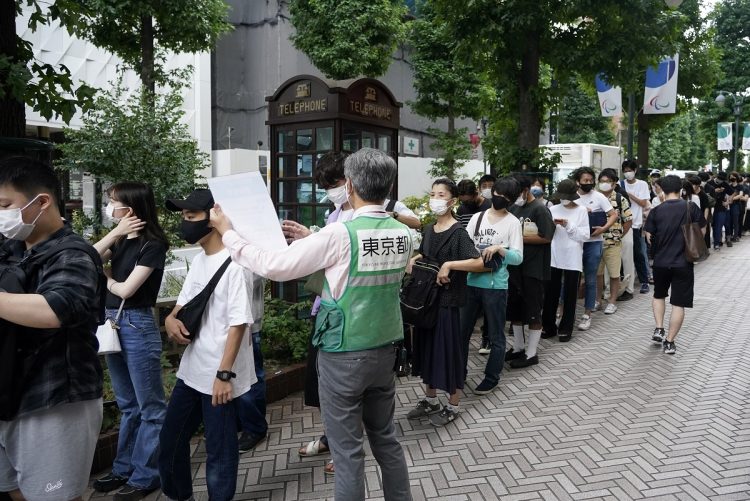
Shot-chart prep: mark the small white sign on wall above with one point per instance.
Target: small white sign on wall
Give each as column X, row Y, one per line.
column 411, row 146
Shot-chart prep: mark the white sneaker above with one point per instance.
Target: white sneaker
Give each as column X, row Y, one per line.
column 611, row 308
column 585, row 323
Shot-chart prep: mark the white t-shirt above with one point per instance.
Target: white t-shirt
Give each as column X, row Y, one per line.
column 639, row 189
column 229, row 305
column 594, row 201
column 567, row 243
column 401, row 209
column 696, row 200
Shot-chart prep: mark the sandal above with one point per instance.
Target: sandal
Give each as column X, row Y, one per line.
column 329, row 468
column 314, row 448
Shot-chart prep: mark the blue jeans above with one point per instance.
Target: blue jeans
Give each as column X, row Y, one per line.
column 721, row 220
column 494, row 302
column 592, row 254
column 735, row 220
column 187, row 409
column 251, row 405
column 640, row 255
column 136, row 380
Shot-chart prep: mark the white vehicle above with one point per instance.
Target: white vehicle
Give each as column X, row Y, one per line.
column 575, row 155
column 684, row 174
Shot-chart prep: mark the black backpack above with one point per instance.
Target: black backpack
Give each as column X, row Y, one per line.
column 420, row 295
column 22, row 349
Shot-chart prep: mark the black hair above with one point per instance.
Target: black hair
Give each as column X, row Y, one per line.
column 523, row 181
column 329, row 169
column 579, row 172
column 610, row 174
column 140, row 198
column 670, row 184
column 722, row 175
column 541, row 181
column 448, row 184
column 630, row 164
column 703, row 176
column 29, row 177
column 467, row 187
column 487, row 178
column 507, row 187
column 687, row 189
column 694, row 180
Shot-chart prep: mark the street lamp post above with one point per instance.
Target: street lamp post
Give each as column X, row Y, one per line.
column 737, row 102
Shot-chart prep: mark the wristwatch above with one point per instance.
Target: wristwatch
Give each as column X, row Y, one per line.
column 225, row 376
column 395, row 215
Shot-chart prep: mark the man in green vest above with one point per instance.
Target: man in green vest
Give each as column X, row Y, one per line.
column 359, row 320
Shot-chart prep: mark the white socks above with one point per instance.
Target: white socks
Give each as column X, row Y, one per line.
column 518, row 341
column 432, row 400
column 534, row 337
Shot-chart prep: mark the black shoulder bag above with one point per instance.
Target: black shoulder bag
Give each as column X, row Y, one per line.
column 191, row 313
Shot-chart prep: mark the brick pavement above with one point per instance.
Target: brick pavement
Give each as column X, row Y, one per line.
column 606, row 416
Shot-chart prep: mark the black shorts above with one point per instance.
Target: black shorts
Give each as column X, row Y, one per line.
column 525, row 299
column 681, row 280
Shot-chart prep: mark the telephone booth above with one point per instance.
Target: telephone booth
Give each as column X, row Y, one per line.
column 308, row 118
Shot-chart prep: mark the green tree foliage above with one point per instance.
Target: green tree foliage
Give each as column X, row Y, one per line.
column 580, row 120
column 447, row 86
column 128, row 138
column 141, row 31
column 348, row 38
column 47, row 89
column 676, row 144
column 520, row 42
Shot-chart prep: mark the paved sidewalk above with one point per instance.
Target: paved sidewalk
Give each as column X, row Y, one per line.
column 606, row 416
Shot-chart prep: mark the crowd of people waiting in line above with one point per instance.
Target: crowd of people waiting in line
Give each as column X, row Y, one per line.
column 505, row 252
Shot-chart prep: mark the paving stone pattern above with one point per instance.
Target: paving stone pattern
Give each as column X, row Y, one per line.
column 606, row 416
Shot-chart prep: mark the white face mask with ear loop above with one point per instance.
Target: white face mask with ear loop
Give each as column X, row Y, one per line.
column 110, row 209
column 337, row 195
column 12, row 225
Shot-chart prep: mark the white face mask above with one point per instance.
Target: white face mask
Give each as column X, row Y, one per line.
column 564, row 202
column 337, row 195
column 439, row 207
column 12, row 225
column 605, row 186
column 520, row 201
column 487, row 193
column 110, row 209
column 630, row 175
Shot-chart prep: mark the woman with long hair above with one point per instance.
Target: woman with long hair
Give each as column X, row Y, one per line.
column 136, row 249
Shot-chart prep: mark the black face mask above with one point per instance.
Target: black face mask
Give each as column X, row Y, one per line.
column 193, row 231
column 587, row 187
column 500, row 203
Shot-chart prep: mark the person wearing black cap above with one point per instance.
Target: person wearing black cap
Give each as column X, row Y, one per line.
column 217, row 365
column 571, row 231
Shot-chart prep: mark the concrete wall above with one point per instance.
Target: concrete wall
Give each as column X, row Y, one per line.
column 253, row 60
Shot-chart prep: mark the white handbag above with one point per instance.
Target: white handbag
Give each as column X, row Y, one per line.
column 108, row 334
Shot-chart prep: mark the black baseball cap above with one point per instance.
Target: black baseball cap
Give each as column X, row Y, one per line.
column 200, row 199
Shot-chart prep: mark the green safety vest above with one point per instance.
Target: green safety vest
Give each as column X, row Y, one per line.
column 368, row 313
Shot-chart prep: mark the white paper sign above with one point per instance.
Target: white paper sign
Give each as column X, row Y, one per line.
column 245, row 200
column 382, row 250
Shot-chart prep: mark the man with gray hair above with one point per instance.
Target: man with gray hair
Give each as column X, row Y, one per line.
column 358, row 323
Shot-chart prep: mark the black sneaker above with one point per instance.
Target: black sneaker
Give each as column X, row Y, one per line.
column 670, row 348
column 564, row 337
column 444, row 417
column 248, row 441
column 729, row 244
column 514, row 355
column 625, row 296
column 547, row 335
column 109, row 482
column 423, row 409
column 485, row 348
column 524, row 362
column 130, row 493
column 484, row 387
column 658, row 335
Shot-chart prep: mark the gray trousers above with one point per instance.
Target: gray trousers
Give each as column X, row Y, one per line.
column 359, row 388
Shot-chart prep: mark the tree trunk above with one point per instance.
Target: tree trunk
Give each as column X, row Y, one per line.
column 529, row 121
column 644, row 136
column 12, row 109
column 148, row 79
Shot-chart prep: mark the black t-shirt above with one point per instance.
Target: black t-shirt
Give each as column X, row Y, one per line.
column 459, row 247
column 664, row 223
column 132, row 252
column 703, row 197
column 536, row 257
column 721, row 196
column 465, row 211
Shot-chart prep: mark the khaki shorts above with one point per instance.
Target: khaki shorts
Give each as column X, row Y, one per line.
column 612, row 259
column 48, row 453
